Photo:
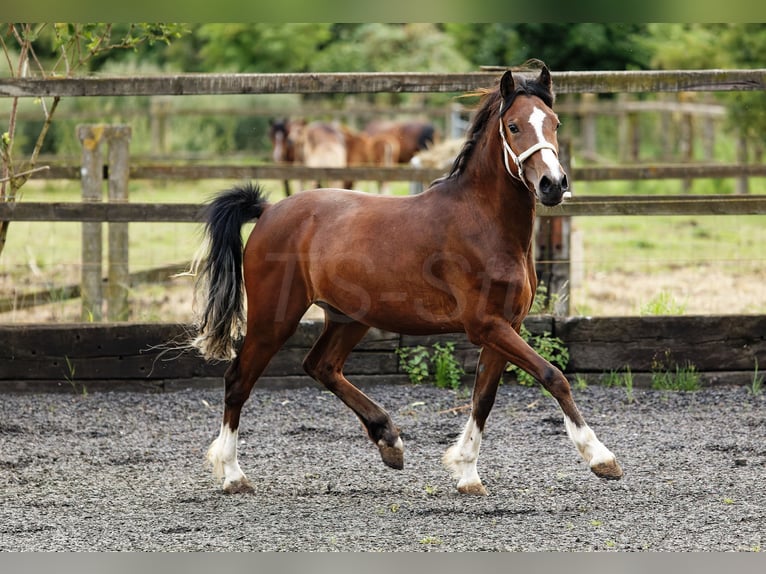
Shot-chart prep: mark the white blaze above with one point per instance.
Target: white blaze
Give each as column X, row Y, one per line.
column 536, row 119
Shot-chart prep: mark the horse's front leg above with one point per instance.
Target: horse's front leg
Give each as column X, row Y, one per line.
column 498, row 335
column 461, row 458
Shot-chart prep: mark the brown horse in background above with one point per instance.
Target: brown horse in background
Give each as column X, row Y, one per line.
column 369, row 150
column 411, row 136
column 319, row 144
column 456, row 258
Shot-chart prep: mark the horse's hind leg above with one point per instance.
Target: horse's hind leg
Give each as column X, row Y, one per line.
column 325, row 364
column 239, row 380
column 259, row 346
column 461, row 457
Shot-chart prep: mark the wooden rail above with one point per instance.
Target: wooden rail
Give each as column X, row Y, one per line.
column 592, row 205
column 334, row 83
column 402, row 173
column 77, row 357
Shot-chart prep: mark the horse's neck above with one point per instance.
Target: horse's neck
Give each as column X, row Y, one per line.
column 507, row 201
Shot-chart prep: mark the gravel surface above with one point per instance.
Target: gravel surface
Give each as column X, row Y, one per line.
column 125, row 471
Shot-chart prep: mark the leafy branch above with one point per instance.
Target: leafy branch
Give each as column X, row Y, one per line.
column 75, row 46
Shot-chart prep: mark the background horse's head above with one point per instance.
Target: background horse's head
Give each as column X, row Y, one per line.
column 527, row 128
column 283, row 133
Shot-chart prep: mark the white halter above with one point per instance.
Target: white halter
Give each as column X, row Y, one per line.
column 522, row 157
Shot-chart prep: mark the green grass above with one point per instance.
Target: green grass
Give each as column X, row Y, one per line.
column 664, row 303
column 756, row 383
column 43, row 254
column 683, row 378
column 665, row 242
column 623, row 380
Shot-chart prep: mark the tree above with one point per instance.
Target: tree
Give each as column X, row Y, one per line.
column 60, row 50
column 263, row 47
column 740, row 45
column 390, row 48
column 746, row 46
column 562, row 46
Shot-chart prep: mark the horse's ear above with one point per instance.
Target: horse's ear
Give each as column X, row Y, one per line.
column 507, row 85
column 544, row 79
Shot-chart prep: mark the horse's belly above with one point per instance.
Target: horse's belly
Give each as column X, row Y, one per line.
column 398, row 310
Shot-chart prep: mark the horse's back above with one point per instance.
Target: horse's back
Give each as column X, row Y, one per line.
column 371, row 257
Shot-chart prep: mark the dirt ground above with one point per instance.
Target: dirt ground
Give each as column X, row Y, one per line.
column 125, row 471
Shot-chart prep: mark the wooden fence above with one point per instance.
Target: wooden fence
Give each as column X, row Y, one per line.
column 379, row 82
column 49, row 356
column 723, row 350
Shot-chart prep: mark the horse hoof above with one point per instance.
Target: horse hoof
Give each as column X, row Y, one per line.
column 609, row 470
column 241, row 486
column 475, row 489
column 392, row 456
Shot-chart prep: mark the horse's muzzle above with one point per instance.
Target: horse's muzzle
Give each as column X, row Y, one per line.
column 551, row 191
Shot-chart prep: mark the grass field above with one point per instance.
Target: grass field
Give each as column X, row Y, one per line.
column 621, row 265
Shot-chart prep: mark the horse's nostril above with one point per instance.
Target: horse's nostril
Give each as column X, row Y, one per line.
column 564, row 183
column 545, row 184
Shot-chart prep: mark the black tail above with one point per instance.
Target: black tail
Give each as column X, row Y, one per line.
column 220, row 277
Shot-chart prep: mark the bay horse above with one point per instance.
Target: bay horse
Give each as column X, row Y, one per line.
column 362, row 149
column 410, row 136
column 456, row 258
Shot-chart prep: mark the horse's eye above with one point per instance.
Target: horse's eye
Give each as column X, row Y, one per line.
column 513, row 128
column 558, row 125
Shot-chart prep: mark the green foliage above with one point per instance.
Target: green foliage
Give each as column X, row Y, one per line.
column 55, row 50
column 550, row 348
column 668, row 375
column 756, row 384
column 728, row 45
column 261, row 47
column 563, row 46
column 580, row 383
column 441, row 366
column 447, row 370
column 620, row 380
column 377, row 47
column 414, row 362
column 544, row 303
column 684, row 46
column 662, row 304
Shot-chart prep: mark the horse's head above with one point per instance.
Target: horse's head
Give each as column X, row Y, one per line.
column 283, row 134
column 278, row 134
column 527, row 129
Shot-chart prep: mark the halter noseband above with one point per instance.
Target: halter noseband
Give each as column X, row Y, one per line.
column 522, row 157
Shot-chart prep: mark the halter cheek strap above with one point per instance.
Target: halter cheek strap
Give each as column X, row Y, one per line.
column 522, row 157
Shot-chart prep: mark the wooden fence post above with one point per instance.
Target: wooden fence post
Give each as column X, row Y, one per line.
column 686, row 142
column 588, row 129
column 743, row 183
column 159, row 108
column 119, row 275
column 92, row 178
